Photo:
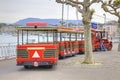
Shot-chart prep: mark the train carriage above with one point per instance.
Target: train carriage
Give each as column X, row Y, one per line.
column 39, row 44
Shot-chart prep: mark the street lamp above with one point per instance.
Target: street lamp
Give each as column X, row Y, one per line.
column 105, row 26
column 62, row 13
column 104, row 22
column 67, row 14
column 104, row 19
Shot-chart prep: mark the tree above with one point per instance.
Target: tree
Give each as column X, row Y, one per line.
column 1, row 25
column 84, row 8
column 113, row 7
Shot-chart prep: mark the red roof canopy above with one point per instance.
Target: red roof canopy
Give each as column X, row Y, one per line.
column 36, row 24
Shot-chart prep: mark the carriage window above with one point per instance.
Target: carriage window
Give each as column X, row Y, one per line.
column 50, row 37
column 25, row 37
column 73, row 37
column 65, row 36
column 32, row 37
column 92, row 34
column 80, row 36
column 61, row 36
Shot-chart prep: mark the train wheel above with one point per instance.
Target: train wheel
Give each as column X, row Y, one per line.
column 94, row 50
column 110, row 48
column 73, row 54
column 50, row 66
column 98, row 49
column 26, row 66
column 62, row 57
column 81, row 52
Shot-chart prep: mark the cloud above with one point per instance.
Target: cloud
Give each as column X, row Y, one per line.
column 13, row 10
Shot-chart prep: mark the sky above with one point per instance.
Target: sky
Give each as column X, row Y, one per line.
column 14, row 10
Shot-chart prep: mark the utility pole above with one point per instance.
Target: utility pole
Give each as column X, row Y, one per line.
column 77, row 16
column 62, row 14
column 67, row 15
column 106, row 31
column 104, row 20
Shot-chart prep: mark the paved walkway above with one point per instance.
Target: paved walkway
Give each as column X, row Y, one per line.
column 107, row 69
column 67, row 69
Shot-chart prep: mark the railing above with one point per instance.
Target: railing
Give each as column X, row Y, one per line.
column 7, row 51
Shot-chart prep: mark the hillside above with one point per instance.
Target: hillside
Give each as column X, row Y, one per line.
column 49, row 21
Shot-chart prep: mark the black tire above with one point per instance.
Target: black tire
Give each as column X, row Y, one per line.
column 98, row 49
column 50, row 66
column 73, row 54
column 81, row 52
column 62, row 57
column 26, row 66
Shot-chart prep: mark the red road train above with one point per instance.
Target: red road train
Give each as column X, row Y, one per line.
column 40, row 45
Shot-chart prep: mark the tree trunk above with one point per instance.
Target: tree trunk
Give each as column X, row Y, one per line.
column 119, row 34
column 88, row 45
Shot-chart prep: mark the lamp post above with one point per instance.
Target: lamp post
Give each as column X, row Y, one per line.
column 77, row 15
column 104, row 19
column 67, row 14
column 62, row 13
column 105, row 26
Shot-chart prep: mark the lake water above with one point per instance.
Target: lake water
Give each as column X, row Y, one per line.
column 7, row 45
column 6, row 38
column 10, row 39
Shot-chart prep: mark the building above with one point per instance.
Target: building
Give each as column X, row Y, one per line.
column 111, row 28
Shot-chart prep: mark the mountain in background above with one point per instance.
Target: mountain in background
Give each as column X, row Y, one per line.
column 49, row 21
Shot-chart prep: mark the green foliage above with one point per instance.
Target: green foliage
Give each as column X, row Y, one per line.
column 2, row 24
column 110, row 1
column 104, row 6
column 112, row 7
column 92, row 11
column 85, row 63
column 116, row 2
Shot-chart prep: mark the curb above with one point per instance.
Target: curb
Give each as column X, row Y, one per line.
column 7, row 58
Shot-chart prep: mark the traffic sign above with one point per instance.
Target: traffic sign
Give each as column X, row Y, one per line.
column 94, row 25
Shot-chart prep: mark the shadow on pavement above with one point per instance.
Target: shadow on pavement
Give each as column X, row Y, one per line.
column 40, row 68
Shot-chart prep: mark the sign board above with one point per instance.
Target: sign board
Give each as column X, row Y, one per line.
column 94, row 25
